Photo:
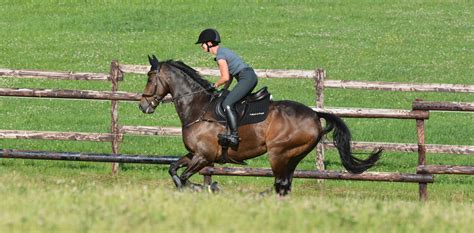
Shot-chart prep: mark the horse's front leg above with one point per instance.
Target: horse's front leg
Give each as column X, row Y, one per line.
column 197, row 163
column 173, row 170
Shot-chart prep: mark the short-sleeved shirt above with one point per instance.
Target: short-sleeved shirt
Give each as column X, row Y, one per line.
column 235, row 63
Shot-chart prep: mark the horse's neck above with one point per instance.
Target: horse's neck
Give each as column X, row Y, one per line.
column 190, row 104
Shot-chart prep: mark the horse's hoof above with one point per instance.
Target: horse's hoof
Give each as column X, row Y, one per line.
column 177, row 182
column 213, row 188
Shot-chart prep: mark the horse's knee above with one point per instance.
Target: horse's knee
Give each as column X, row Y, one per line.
column 174, row 166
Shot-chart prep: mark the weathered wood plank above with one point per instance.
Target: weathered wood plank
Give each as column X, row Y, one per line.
column 374, row 113
column 70, row 94
column 393, row 86
column 75, row 94
column 48, row 135
column 151, row 130
column 364, row 146
column 115, row 75
column 117, row 95
column 71, row 156
column 53, row 75
column 443, row 106
column 317, row 174
column 445, row 169
column 368, row 85
column 261, row 73
column 407, row 147
column 134, row 69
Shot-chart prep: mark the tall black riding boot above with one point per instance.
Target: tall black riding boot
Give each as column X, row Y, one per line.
column 233, row 137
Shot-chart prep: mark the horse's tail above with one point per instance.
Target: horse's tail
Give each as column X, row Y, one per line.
column 342, row 141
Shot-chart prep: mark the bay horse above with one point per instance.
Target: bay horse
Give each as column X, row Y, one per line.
column 290, row 131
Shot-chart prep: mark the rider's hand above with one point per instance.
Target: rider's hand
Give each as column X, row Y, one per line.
column 211, row 87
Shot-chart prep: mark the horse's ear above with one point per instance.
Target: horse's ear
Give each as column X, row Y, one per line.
column 149, row 60
column 153, row 62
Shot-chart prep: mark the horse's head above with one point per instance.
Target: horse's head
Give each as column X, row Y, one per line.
column 156, row 88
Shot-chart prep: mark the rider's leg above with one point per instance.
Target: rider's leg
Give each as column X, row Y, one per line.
column 231, row 116
column 246, row 84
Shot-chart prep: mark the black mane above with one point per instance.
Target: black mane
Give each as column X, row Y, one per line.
column 192, row 73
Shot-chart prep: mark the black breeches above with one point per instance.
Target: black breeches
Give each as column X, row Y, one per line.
column 246, row 84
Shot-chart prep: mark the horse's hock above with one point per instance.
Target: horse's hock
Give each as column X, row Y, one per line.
column 420, row 113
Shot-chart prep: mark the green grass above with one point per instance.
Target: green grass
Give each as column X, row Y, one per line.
column 393, row 41
column 82, row 200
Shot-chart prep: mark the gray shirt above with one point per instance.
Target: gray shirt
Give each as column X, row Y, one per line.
column 235, row 63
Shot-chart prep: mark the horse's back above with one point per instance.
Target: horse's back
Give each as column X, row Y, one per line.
column 293, row 109
column 294, row 123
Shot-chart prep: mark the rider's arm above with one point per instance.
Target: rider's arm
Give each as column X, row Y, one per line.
column 224, row 69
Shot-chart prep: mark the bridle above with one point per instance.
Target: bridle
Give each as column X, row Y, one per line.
column 156, row 99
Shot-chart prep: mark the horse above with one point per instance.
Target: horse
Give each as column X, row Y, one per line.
column 290, row 131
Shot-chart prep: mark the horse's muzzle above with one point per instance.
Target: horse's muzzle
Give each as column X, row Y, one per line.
column 146, row 108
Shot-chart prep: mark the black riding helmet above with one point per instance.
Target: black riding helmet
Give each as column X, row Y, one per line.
column 209, row 35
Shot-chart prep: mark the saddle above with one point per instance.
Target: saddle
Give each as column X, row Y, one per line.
column 250, row 110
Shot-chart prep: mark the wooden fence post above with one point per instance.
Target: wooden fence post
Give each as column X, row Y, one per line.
column 420, row 131
column 208, row 177
column 115, row 75
column 319, row 77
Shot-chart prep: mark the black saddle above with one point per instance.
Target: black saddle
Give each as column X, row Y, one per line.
column 251, row 109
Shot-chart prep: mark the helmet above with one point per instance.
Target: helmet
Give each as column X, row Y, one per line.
column 209, row 35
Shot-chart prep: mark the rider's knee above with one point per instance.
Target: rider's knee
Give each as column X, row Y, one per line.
column 227, row 105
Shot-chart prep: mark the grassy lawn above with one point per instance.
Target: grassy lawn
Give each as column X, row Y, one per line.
column 394, row 41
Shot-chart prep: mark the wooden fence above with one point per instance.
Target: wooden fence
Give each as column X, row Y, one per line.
column 440, row 169
column 116, row 74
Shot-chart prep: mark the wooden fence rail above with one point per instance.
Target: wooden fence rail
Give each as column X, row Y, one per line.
column 345, row 84
column 70, row 94
column 316, row 174
column 445, row 169
column 261, row 73
column 53, row 75
column 45, row 135
column 109, row 158
column 366, row 146
column 443, row 106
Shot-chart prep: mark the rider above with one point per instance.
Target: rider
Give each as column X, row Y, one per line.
column 230, row 65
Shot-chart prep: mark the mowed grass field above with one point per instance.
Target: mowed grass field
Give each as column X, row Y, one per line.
column 393, row 41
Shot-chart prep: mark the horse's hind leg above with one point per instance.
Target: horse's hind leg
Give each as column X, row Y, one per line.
column 283, row 170
column 282, row 180
column 173, row 170
column 290, row 170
